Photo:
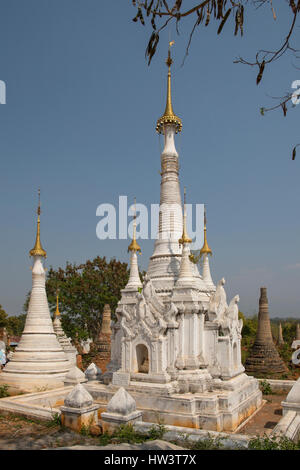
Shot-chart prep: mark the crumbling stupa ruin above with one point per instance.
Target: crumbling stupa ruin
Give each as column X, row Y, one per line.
column 264, row 359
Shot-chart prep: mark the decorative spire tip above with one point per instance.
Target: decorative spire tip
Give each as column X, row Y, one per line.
column 38, row 250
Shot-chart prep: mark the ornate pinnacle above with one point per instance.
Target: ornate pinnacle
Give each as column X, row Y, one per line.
column 134, row 246
column 169, row 117
column 205, row 249
column 185, row 238
column 38, row 250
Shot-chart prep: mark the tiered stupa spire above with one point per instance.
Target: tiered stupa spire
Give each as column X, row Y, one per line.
column 39, row 359
column 134, row 277
column 264, row 358
column 164, row 265
column 205, row 252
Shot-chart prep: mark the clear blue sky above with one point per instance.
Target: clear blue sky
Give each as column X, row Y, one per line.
column 80, row 123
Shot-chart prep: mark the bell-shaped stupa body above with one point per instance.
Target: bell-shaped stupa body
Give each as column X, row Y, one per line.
column 264, row 358
column 39, row 361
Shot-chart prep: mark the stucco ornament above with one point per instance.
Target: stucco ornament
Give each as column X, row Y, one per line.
column 296, row 355
column 230, row 322
column 149, row 315
column 218, row 303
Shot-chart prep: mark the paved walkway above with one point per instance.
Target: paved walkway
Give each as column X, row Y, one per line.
column 267, row 418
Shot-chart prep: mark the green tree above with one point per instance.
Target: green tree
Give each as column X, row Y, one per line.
column 15, row 324
column 3, row 317
column 84, row 289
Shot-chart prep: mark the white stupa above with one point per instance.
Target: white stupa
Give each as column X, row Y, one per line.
column 65, row 342
column 134, row 281
column 39, row 361
column 205, row 252
column 176, row 343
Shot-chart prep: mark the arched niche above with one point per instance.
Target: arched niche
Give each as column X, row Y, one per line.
column 142, row 357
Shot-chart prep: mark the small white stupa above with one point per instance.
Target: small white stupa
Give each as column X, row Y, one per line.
column 65, row 342
column 39, row 361
column 134, row 277
column 205, row 252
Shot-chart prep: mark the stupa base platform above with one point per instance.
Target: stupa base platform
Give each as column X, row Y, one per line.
column 26, row 383
column 222, row 409
column 217, row 410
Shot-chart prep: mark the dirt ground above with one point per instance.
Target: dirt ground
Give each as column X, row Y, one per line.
column 266, row 418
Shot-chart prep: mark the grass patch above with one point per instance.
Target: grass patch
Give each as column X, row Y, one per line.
column 55, row 421
column 273, row 443
column 208, row 443
column 127, row 434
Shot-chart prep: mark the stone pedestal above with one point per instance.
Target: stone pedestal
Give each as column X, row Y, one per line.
column 74, row 377
column 93, row 372
column 79, row 411
column 289, row 425
column 121, row 409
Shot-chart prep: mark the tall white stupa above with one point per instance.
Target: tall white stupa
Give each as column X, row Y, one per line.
column 39, row 361
column 176, row 344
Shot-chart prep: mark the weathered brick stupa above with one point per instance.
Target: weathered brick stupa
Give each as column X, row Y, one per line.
column 297, row 332
column 103, row 342
column 280, row 340
column 39, row 360
column 264, row 358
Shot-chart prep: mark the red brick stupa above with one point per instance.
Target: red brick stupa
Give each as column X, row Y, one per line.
column 264, row 360
column 103, row 343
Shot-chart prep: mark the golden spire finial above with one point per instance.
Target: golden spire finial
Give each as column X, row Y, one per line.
column 169, row 117
column 134, row 246
column 57, row 312
column 38, row 250
column 185, row 238
column 205, row 249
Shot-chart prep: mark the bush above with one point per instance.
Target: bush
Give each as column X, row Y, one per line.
column 265, row 387
column 4, row 391
column 126, row 433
